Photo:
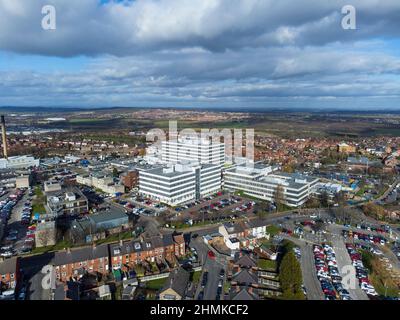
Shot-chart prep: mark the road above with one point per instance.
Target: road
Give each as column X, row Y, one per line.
column 31, row 268
column 212, row 266
column 385, row 194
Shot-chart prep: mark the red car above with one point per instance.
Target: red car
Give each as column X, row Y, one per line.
column 211, row 254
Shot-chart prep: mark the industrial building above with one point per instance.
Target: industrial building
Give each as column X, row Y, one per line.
column 16, row 162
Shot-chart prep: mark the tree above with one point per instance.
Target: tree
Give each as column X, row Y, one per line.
column 279, row 197
column 289, row 168
column 373, row 210
column 325, row 199
column 313, row 203
column 290, row 277
column 340, row 199
column 115, row 173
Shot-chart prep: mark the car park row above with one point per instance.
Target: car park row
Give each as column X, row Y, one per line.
column 328, row 273
column 361, row 271
column 13, row 232
column 364, row 237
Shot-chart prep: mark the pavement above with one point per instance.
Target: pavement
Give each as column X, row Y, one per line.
column 343, row 260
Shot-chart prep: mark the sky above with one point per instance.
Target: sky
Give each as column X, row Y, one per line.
column 201, row 53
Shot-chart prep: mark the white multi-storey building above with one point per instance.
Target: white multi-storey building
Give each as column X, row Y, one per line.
column 203, row 151
column 262, row 182
column 180, row 182
column 19, row 162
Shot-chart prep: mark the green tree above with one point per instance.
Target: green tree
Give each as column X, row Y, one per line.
column 115, row 173
column 290, row 277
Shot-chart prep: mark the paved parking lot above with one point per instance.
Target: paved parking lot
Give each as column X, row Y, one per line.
column 310, row 280
column 210, row 209
column 343, row 259
column 14, row 224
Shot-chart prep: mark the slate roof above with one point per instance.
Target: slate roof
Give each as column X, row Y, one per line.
column 178, row 281
column 81, row 254
column 108, row 216
column 8, row 265
column 244, row 295
column 245, row 276
column 245, row 262
column 144, row 244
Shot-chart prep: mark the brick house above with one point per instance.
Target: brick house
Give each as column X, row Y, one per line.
column 9, row 273
column 75, row 263
column 130, row 179
column 152, row 249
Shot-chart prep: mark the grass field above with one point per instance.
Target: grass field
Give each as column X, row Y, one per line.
column 116, row 237
column 86, row 120
column 379, row 276
column 196, row 276
column 156, row 284
column 265, row 264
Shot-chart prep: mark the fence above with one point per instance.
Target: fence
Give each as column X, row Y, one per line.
column 162, row 275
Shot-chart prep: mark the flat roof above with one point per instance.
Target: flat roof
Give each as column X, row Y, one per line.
column 107, row 216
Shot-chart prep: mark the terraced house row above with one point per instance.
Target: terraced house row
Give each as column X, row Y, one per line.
column 105, row 258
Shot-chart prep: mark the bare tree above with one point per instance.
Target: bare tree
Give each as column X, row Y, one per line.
column 279, row 197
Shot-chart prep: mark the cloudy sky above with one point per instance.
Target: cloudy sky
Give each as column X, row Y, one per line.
column 200, row 53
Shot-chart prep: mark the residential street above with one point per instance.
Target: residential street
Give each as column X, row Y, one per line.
column 212, row 266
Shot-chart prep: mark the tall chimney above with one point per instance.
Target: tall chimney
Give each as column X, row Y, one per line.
column 4, row 136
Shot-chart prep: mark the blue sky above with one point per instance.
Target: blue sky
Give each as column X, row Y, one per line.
column 211, row 53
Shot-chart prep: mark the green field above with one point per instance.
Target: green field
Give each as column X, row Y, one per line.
column 86, row 120
column 157, row 284
column 265, row 264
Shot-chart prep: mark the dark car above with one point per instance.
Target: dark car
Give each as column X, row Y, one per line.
column 204, row 279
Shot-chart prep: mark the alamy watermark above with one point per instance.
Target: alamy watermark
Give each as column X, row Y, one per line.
column 348, row 22
column 188, row 140
column 49, row 21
